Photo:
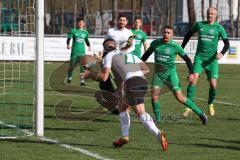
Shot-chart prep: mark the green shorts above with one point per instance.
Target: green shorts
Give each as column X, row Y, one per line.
column 76, row 60
column 171, row 80
column 137, row 54
column 210, row 67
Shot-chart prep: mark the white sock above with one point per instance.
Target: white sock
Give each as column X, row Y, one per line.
column 125, row 123
column 148, row 123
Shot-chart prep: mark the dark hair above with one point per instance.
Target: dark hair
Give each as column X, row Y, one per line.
column 107, row 40
column 167, row 27
column 137, row 18
column 121, row 15
column 108, row 48
column 80, row 19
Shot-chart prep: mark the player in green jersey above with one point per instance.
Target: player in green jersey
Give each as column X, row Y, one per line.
column 140, row 37
column 165, row 50
column 209, row 33
column 80, row 38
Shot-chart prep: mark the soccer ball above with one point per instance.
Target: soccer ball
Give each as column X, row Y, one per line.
column 88, row 61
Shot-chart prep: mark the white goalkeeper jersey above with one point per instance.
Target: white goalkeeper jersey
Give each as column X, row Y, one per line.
column 123, row 65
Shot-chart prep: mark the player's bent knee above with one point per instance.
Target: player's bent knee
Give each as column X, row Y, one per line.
column 181, row 98
column 144, row 117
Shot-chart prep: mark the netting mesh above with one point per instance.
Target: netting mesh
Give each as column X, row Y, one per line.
column 17, row 68
column 16, row 97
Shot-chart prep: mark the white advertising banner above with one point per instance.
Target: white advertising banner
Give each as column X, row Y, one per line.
column 23, row 48
column 17, row 48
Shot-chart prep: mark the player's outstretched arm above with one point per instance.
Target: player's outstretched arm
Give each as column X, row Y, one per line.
column 68, row 43
column 224, row 50
column 190, row 67
column 144, row 68
column 146, row 55
column 88, row 44
column 145, row 46
column 130, row 46
column 186, row 38
column 100, row 76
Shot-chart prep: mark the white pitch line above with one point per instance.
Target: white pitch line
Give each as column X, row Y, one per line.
column 220, row 102
column 8, row 137
column 81, row 150
column 67, row 146
column 14, row 126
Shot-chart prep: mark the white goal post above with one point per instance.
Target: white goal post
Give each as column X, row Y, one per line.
column 39, row 110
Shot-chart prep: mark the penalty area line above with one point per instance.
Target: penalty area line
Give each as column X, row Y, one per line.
column 81, row 150
column 15, row 127
column 219, row 102
column 46, row 139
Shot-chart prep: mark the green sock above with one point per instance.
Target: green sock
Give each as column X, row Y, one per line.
column 212, row 95
column 191, row 91
column 81, row 69
column 69, row 75
column 156, row 110
column 190, row 104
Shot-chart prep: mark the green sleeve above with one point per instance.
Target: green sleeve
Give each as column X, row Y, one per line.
column 180, row 51
column 86, row 36
column 86, row 39
column 223, row 33
column 71, row 33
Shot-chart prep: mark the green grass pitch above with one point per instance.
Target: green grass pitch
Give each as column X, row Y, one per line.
column 73, row 117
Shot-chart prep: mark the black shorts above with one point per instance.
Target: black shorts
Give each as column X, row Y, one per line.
column 135, row 88
column 106, row 85
column 107, row 96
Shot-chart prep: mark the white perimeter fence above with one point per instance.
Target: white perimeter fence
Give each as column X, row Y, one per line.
column 23, row 48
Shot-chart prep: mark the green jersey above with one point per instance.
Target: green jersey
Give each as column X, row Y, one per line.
column 139, row 40
column 165, row 54
column 80, row 37
column 208, row 37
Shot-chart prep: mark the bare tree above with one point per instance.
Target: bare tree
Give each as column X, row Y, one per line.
column 202, row 10
column 168, row 12
column 114, row 12
column 141, row 8
column 151, row 16
column 53, row 16
column 171, row 12
column 160, row 17
column 210, row 3
column 238, row 20
column 101, row 15
column 191, row 12
column 0, row 17
column 75, row 12
column 62, row 18
column 46, row 27
column 85, row 4
column 133, row 11
column 232, row 28
column 217, row 5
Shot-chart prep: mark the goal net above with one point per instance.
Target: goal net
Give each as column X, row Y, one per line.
column 17, row 68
